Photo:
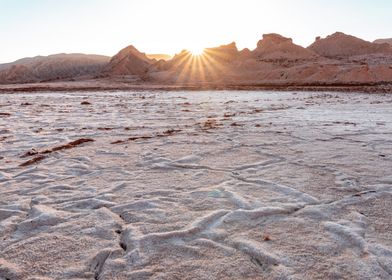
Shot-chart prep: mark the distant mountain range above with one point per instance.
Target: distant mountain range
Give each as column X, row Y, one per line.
column 336, row 59
column 53, row 67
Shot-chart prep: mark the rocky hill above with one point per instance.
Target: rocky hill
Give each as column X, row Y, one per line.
column 52, row 68
column 129, row 61
column 340, row 45
column 336, row 59
column 383, row 41
column 276, row 47
column 223, row 54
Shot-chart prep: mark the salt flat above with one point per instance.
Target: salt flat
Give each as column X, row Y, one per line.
column 195, row 185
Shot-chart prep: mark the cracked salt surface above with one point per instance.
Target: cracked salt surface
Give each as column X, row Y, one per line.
column 196, row 185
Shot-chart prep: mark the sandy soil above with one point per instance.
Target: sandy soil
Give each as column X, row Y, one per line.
column 195, row 185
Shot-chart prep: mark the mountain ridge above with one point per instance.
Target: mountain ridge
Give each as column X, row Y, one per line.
column 337, row 58
column 52, row 67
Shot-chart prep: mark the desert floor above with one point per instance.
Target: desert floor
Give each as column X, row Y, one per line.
column 195, row 185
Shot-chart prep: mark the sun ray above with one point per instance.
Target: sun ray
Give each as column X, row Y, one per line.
column 213, row 66
column 183, row 75
column 206, row 67
column 180, row 65
column 201, row 68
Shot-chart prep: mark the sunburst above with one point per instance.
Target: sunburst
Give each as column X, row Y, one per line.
column 199, row 65
column 197, row 51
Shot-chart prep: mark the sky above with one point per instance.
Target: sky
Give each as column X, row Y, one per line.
column 42, row 27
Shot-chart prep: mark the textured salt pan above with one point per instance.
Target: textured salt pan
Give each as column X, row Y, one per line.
column 196, row 185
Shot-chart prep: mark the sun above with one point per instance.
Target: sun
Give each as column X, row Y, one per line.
column 196, row 51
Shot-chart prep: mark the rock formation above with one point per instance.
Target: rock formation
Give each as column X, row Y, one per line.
column 383, row 41
column 223, row 54
column 129, row 61
column 276, row 47
column 340, row 45
column 336, row 59
column 52, row 68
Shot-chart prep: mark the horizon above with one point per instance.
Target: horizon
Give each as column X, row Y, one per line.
column 157, row 27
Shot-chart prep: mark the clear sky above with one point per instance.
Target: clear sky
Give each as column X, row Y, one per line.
column 42, row 27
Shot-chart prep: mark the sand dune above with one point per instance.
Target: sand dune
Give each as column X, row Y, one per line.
column 195, row 185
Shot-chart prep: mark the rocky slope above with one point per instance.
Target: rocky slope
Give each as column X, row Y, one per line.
column 338, row 59
column 383, row 41
column 342, row 45
column 223, row 54
column 129, row 61
column 276, row 47
column 52, row 68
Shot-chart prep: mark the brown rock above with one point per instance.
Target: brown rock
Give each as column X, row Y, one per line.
column 342, row 45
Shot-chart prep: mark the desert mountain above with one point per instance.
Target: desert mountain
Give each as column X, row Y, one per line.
column 129, row 61
column 223, row 54
column 179, row 60
column 53, row 67
column 18, row 73
column 342, row 45
column 277, row 47
column 181, row 67
column 336, row 59
column 276, row 60
column 383, row 41
column 212, row 66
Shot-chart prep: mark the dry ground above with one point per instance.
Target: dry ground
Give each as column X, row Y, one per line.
column 195, row 185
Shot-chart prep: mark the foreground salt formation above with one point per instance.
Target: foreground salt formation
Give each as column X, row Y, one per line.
column 195, row 185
